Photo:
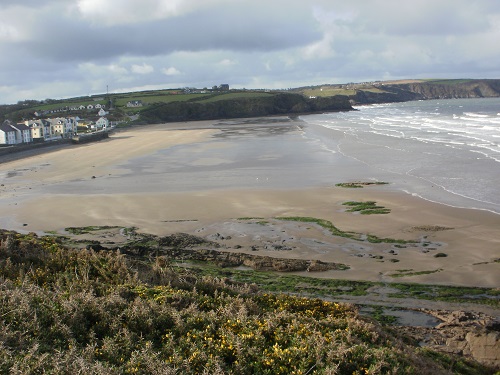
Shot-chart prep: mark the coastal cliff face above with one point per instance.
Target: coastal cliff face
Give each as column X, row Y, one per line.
column 278, row 104
column 470, row 89
column 425, row 90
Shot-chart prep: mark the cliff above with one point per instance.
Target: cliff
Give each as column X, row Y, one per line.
column 424, row 90
column 272, row 104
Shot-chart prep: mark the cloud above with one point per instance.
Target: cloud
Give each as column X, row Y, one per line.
column 227, row 62
column 137, row 12
column 89, row 44
column 142, row 69
column 171, row 71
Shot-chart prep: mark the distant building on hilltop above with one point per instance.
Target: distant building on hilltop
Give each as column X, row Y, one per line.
column 134, row 103
column 224, row 87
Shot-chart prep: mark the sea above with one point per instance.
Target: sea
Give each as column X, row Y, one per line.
column 445, row 150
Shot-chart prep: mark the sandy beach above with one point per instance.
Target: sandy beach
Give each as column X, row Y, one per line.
column 187, row 189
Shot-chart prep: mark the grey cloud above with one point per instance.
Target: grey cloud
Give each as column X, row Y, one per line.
column 287, row 43
column 230, row 28
column 26, row 3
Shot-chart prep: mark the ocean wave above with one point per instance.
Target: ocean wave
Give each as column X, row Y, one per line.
column 472, row 114
column 459, row 139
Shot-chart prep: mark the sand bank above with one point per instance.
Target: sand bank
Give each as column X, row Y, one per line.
column 51, row 191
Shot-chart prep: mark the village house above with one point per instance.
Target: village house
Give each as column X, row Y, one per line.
column 57, row 126
column 23, row 133
column 52, row 128
column 64, row 127
column 12, row 134
column 7, row 133
column 102, row 123
column 40, row 129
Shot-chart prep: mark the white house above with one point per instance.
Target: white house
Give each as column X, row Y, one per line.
column 23, row 133
column 102, row 123
column 7, row 134
column 102, row 112
column 90, row 106
column 72, row 125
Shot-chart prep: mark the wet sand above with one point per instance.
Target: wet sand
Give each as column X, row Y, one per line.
column 198, row 178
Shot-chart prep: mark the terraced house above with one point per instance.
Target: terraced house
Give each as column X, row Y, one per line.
column 12, row 134
column 52, row 128
column 63, row 127
column 40, row 129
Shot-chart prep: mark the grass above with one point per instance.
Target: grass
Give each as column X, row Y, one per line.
column 330, row 288
column 337, row 232
column 351, row 90
column 285, row 283
column 378, row 313
column 485, row 296
column 328, row 92
column 164, row 98
column 404, row 273
column 359, row 184
column 89, row 229
column 449, row 82
column 69, row 103
column 366, row 208
column 235, row 95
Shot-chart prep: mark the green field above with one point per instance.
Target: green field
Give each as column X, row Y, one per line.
column 235, row 95
column 121, row 101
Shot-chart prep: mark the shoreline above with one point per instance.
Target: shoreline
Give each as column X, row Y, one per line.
column 432, row 148
column 471, row 241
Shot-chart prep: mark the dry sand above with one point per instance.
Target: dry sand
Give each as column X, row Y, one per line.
column 472, row 240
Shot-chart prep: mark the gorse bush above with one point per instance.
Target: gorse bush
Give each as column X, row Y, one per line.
column 79, row 311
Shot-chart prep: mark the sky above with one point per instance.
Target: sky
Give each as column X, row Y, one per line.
column 64, row 48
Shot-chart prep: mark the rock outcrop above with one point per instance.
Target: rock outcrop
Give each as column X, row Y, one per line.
column 462, row 333
column 272, row 104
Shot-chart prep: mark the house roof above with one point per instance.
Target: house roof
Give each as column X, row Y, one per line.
column 21, row 126
column 7, row 127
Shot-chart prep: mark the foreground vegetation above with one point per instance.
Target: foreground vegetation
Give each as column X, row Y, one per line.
column 80, row 311
column 366, row 208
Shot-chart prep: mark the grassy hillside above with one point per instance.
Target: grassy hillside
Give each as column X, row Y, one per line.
column 207, row 104
column 80, row 311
